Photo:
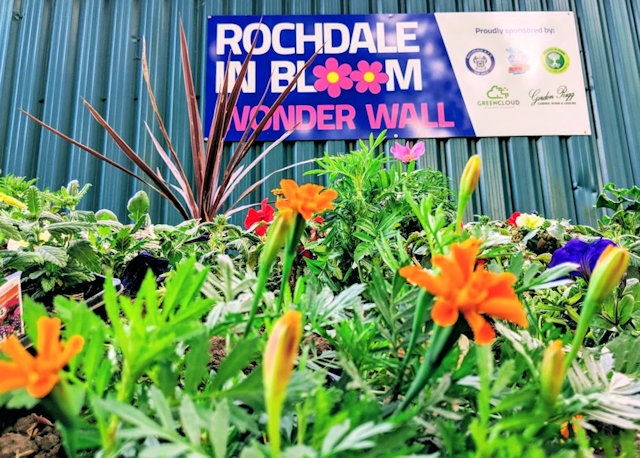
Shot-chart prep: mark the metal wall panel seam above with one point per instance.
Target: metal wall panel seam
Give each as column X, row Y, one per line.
column 115, row 187
column 526, row 186
column 623, row 37
column 21, row 152
column 7, row 61
column 54, row 151
column 89, row 84
column 554, row 170
column 605, row 93
column 153, row 30
column 495, row 197
column 458, row 152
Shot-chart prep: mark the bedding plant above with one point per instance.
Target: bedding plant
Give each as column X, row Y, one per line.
column 364, row 318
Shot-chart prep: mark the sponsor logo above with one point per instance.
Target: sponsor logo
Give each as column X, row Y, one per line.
column 480, row 61
column 561, row 96
column 555, row 60
column 518, row 61
column 498, row 97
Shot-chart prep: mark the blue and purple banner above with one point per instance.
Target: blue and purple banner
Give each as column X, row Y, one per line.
column 415, row 75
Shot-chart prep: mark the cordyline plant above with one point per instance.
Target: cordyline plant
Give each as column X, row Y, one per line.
column 214, row 180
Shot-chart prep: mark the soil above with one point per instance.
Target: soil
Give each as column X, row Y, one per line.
column 31, row 435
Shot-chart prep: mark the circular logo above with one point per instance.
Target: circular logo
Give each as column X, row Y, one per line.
column 555, row 60
column 480, row 61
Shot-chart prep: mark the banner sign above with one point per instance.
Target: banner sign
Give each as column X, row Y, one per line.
column 415, row 75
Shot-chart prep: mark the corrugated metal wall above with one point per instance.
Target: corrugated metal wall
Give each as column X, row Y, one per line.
column 54, row 53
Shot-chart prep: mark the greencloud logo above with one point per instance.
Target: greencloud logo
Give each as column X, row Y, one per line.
column 498, row 97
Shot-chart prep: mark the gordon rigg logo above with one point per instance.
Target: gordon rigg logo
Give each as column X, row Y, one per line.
column 480, row 61
column 555, row 60
column 498, row 97
column 561, row 96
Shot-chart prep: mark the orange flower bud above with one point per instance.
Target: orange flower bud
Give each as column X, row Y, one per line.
column 608, row 272
column 278, row 360
column 552, row 373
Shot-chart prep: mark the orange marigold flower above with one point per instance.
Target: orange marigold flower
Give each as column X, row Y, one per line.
column 459, row 287
column 306, row 199
column 38, row 374
column 574, row 423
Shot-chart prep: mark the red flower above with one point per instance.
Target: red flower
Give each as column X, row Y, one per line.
column 512, row 219
column 264, row 216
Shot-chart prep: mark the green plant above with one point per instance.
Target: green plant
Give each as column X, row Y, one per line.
column 625, row 207
column 46, row 242
column 213, row 180
column 372, row 211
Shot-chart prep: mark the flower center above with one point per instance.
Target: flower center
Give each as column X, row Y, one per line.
column 333, row 77
column 369, row 77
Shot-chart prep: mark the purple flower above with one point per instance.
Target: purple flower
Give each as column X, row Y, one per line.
column 585, row 254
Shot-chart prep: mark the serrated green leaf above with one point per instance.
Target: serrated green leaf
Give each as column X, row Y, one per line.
column 8, row 229
column 82, row 251
column 33, row 200
column 54, row 255
column 68, row 227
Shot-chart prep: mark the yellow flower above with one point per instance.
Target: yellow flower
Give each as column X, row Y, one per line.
column 38, row 374
column 11, row 200
column 470, row 176
column 552, row 372
column 529, row 221
column 306, row 199
column 460, row 288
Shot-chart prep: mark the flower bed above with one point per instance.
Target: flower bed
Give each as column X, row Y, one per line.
column 365, row 318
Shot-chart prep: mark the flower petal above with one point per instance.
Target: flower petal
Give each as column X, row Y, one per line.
column 444, row 313
column 483, row 332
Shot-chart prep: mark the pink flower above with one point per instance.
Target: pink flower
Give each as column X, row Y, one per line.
column 369, row 77
column 332, row 77
column 264, row 216
column 406, row 153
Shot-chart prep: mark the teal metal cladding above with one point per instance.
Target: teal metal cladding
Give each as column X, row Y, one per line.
column 55, row 53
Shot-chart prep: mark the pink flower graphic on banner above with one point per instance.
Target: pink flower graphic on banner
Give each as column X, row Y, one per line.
column 369, row 77
column 332, row 77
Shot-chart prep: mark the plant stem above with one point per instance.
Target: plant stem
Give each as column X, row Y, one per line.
column 485, row 369
column 441, row 342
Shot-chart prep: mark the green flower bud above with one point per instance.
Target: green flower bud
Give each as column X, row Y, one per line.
column 552, row 372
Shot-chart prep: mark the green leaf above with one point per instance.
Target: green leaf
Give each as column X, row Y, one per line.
column 240, row 357
column 53, row 254
column 162, row 408
column 189, row 420
column 219, row 429
column 8, row 229
column 82, row 251
column 145, row 425
column 33, row 200
column 68, row 227
column 194, row 370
